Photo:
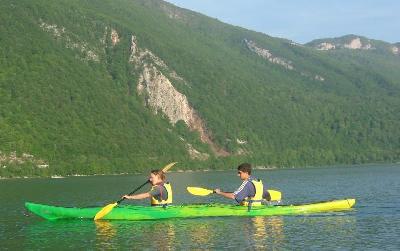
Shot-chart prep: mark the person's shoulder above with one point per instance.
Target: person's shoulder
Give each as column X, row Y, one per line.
column 248, row 184
column 245, row 183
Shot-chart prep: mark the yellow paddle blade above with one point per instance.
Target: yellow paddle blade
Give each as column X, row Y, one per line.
column 199, row 191
column 104, row 211
column 275, row 195
column 167, row 167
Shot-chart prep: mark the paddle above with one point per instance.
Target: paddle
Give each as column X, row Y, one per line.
column 199, row 191
column 105, row 210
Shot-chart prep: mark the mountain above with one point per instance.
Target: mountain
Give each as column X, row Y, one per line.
column 356, row 43
column 116, row 86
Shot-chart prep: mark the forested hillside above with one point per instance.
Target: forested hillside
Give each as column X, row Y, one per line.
column 116, row 86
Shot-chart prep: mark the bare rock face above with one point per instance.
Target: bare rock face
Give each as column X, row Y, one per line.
column 354, row 44
column 241, row 151
column 241, row 141
column 195, row 154
column 161, row 96
column 133, row 48
column 12, row 159
column 296, row 44
column 114, row 37
column 52, row 28
column 139, row 56
column 319, row 78
column 173, row 12
column 357, row 44
column 326, row 46
column 367, row 47
column 264, row 53
column 60, row 33
column 396, row 50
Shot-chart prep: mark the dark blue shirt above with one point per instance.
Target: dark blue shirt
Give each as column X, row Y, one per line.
column 247, row 189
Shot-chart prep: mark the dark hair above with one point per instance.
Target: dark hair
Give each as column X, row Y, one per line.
column 245, row 167
column 159, row 173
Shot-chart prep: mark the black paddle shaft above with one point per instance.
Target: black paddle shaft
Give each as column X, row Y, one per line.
column 134, row 191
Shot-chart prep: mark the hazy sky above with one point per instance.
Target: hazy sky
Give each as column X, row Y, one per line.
column 305, row 20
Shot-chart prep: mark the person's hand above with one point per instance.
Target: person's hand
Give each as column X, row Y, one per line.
column 217, row 191
column 125, row 196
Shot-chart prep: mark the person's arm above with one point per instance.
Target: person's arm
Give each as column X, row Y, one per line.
column 137, row 196
column 225, row 194
column 239, row 195
column 155, row 191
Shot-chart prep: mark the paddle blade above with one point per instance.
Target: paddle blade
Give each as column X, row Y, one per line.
column 167, row 167
column 104, row 211
column 199, row 191
column 275, row 195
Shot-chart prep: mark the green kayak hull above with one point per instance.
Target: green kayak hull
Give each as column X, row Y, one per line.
column 185, row 211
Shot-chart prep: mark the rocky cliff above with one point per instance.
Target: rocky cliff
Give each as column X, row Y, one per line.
column 161, row 96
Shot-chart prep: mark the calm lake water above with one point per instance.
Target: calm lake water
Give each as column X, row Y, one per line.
column 373, row 224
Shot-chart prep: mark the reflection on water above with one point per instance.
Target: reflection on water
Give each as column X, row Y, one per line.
column 268, row 231
column 105, row 232
column 201, row 234
column 264, row 232
column 258, row 233
column 163, row 234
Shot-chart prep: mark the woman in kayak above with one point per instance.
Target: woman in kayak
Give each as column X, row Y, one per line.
column 252, row 191
column 160, row 193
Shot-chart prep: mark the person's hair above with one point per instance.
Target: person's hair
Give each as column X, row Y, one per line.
column 159, row 173
column 245, row 167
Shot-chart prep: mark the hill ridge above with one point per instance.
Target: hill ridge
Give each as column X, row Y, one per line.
column 102, row 86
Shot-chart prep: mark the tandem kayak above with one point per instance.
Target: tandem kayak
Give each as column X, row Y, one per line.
column 186, row 211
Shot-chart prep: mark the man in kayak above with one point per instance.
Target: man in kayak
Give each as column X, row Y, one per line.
column 252, row 191
column 160, row 193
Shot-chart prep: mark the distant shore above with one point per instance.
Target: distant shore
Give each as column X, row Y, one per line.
column 56, row 176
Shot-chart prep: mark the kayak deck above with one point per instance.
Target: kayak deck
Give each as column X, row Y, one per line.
column 185, row 211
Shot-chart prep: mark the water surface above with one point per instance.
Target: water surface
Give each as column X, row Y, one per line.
column 373, row 224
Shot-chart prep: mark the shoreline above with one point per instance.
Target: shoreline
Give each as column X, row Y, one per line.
column 262, row 168
column 56, row 176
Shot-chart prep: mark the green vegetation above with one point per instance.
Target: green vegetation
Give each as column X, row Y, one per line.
column 83, row 116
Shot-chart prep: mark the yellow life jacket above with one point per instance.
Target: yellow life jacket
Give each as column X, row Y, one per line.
column 257, row 198
column 156, row 202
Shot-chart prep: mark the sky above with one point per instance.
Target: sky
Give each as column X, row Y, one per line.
column 305, row 20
